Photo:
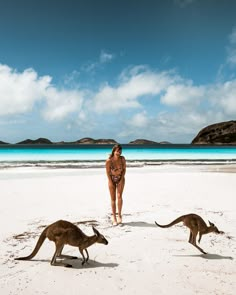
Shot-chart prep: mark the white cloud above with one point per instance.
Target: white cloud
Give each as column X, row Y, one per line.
column 110, row 99
column 19, row 91
column 181, row 94
column 223, row 97
column 72, row 79
column 59, row 104
column 135, row 83
column 105, row 57
column 139, row 120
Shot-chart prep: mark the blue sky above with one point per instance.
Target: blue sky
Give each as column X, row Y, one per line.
column 128, row 69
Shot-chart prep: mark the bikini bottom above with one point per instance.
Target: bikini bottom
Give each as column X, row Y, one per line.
column 115, row 178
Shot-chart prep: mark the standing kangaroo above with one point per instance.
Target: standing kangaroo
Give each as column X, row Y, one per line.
column 66, row 233
column 196, row 225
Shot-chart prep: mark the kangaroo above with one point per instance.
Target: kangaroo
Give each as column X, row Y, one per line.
column 64, row 233
column 196, row 225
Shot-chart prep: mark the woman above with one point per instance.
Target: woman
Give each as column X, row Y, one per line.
column 116, row 168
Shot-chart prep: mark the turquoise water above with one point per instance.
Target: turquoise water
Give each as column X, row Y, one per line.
column 99, row 153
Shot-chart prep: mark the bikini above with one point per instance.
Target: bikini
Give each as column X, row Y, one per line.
column 116, row 178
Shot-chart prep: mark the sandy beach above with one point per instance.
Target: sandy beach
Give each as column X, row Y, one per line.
column 140, row 257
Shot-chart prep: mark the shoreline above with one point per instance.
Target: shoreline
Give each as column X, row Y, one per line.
column 212, row 164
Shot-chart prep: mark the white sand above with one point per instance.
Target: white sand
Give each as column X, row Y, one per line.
column 140, row 258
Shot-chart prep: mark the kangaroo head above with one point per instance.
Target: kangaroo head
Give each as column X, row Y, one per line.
column 214, row 228
column 100, row 238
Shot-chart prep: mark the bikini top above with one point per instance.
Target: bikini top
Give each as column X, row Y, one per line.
column 116, row 168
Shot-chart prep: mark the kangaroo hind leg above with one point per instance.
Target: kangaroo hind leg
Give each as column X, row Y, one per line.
column 190, row 237
column 56, row 255
column 63, row 256
column 193, row 242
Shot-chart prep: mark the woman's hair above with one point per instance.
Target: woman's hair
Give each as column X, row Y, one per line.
column 115, row 147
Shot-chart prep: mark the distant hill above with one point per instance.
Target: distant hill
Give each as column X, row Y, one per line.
column 220, row 133
column 2, row 142
column 142, row 141
column 88, row 140
column 85, row 140
column 145, row 141
column 36, row 141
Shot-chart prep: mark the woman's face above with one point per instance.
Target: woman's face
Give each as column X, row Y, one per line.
column 117, row 152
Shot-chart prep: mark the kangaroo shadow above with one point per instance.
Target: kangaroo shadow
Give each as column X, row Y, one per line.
column 208, row 256
column 139, row 224
column 77, row 263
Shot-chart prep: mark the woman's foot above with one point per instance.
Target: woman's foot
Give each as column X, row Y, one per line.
column 119, row 219
column 114, row 221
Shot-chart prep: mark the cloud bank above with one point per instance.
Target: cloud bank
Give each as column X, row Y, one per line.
column 160, row 105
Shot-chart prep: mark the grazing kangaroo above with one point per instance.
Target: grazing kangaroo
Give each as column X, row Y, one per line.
column 196, row 225
column 66, row 233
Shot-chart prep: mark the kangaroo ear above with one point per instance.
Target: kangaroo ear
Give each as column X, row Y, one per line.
column 212, row 224
column 95, row 231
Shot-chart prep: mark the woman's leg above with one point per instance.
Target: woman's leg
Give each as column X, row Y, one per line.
column 112, row 189
column 120, row 188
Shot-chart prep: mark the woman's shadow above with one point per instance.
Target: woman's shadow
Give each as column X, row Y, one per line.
column 139, row 224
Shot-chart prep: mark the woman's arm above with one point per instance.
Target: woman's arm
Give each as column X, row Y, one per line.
column 108, row 169
column 123, row 166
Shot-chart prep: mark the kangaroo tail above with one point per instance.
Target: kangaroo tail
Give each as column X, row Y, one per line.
column 37, row 247
column 177, row 220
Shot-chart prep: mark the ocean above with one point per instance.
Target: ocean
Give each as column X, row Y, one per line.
column 94, row 156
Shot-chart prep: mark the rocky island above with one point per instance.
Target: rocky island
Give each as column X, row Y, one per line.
column 143, row 141
column 217, row 134
column 88, row 140
column 36, row 141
